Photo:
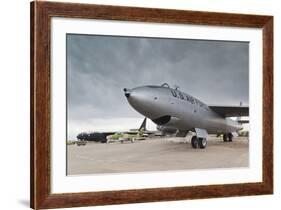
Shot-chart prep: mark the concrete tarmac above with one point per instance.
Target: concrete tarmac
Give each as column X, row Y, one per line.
column 156, row 154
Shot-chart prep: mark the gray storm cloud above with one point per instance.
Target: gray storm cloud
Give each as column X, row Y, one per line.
column 99, row 67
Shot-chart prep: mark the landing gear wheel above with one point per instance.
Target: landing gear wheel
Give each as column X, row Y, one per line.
column 194, row 142
column 225, row 138
column 202, row 142
column 230, row 137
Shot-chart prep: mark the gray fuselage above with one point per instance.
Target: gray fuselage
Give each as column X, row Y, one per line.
column 172, row 108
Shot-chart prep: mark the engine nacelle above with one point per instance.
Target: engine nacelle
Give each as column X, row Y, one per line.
column 166, row 120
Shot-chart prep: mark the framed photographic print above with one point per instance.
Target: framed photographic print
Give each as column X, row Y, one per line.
column 136, row 105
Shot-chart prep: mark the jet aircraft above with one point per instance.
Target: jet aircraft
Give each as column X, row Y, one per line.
column 104, row 136
column 172, row 109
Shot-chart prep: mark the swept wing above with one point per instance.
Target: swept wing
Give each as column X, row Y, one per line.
column 231, row 111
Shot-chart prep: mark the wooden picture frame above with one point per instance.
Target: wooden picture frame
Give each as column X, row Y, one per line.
column 41, row 14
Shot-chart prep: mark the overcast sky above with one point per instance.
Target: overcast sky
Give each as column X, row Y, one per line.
column 99, row 67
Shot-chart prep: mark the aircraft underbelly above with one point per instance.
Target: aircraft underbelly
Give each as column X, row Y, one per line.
column 211, row 123
column 219, row 125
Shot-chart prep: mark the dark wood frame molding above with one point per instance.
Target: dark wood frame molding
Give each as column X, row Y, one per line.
column 41, row 14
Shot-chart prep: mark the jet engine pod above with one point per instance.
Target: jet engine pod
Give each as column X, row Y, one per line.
column 166, row 120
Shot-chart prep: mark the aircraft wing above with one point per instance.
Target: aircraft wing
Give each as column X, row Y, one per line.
column 231, row 111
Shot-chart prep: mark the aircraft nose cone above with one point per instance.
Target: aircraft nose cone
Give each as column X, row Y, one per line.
column 135, row 95
column 127, row 92
column 142, row 99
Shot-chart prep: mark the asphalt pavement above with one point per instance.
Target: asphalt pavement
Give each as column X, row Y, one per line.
column 156, row 154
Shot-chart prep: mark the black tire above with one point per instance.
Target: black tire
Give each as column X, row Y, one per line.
column 230, row 137
column 202, row 142
column 194, row 142
column 225, row 138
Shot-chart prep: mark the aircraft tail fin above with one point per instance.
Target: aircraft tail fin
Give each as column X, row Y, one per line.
column 143, row 125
